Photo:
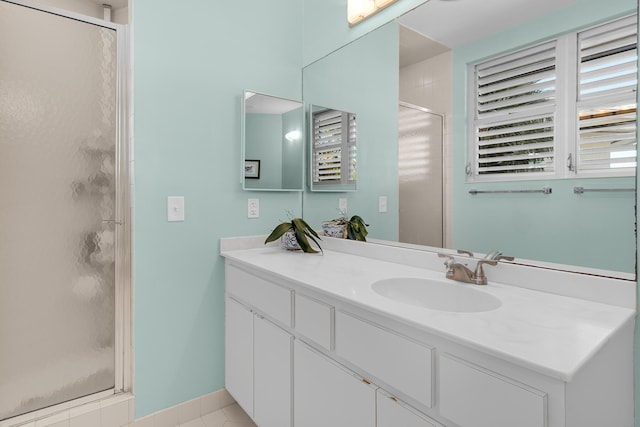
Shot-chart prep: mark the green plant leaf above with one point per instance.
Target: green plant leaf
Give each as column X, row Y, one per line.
column 302, row 225
column 303, row 242
column 357, row 230
column 314, row 240
column 303, row 230
column 278, row 232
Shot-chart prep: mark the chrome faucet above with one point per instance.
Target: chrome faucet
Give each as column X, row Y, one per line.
column 461, row 273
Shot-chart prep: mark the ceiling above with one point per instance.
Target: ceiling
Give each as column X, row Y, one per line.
column 414, row 47
column 453, row 23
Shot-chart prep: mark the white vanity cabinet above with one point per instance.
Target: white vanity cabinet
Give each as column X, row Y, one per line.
column 239, row 353
column 475, row 397
column 402, row 363
column 393, row 413
column 272, row 348
column 327, row 394
column 298, row 356
column 257, row 350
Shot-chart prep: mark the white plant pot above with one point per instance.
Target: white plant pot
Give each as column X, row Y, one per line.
column 289, row 241
column 332, row 229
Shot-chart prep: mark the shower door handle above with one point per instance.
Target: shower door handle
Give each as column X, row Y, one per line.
column 113, row 221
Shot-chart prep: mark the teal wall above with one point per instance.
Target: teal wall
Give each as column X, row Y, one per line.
column 351, row 79
column 263, row 136
column 595, row 229
column 192, row 61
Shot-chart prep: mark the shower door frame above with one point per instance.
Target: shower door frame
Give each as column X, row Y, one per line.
column 123, row 341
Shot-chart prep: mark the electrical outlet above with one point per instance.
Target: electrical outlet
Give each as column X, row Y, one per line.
column 382, row 204
column 253, row 208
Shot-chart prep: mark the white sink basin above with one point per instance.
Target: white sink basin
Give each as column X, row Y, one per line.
column 436, row 295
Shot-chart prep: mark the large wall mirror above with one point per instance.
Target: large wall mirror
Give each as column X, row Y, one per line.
column 423, row 61
column 272, row 143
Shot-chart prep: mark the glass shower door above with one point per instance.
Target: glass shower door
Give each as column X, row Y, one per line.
column 420, row 198
column 57, row 204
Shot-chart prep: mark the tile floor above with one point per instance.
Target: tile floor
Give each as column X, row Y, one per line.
column 229, row 416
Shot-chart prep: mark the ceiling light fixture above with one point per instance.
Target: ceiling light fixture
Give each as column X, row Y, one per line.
column 358, row 10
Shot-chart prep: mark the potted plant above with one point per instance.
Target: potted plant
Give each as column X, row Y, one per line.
column 295, row 235
column 353, row 228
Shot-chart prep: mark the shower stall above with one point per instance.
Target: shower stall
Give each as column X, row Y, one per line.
column 420, row 176
column 64, row 244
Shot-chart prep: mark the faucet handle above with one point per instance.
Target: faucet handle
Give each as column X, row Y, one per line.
column 504, row 257
column 465, row 252
column 449, row 257
column 449, row 262
column 478, row 277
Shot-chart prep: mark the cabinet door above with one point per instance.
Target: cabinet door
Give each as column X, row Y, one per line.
column 239, row 354
column 392, row 413
column 399, row 361
column 472, row 396
column 272, row 374
column 326, row 394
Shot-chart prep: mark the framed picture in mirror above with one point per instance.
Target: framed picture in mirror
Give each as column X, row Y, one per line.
column 252, row 169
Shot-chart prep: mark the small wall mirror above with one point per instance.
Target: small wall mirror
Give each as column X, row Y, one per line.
column 272, row 143
column 332, row 149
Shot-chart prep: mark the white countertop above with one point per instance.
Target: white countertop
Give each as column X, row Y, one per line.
column 550, row 334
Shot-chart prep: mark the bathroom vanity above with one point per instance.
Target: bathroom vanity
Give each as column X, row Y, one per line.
column 372, row 335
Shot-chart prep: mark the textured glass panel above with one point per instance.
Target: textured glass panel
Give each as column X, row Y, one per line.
column 420, row 195
column 57, row 164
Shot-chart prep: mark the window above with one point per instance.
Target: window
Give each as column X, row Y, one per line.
column 334, row 140
column 606, row 96
column 515, row 109
column 538, row 110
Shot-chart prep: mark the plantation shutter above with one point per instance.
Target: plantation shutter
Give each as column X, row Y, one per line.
column 334, row 140
column 515, row 112
column 606, row 96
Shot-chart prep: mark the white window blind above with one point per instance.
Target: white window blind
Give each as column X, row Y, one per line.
column 517, row 81
column 606, row 97
column 516, row 146
column 334, row 147
column 608, row 58
column 515, row 110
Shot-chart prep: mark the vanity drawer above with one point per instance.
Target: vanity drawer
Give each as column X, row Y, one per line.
column 401, row 362
column 393, row 413
column 314, row 320
column 472, row 396
column 269, row 298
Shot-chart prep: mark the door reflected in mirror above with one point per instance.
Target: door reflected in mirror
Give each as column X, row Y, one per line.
column 272, row 143
column 333, row 149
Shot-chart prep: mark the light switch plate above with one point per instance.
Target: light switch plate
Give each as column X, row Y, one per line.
column 253, row 208
column 382, row 204
column 342, row 206
column 175, row 208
